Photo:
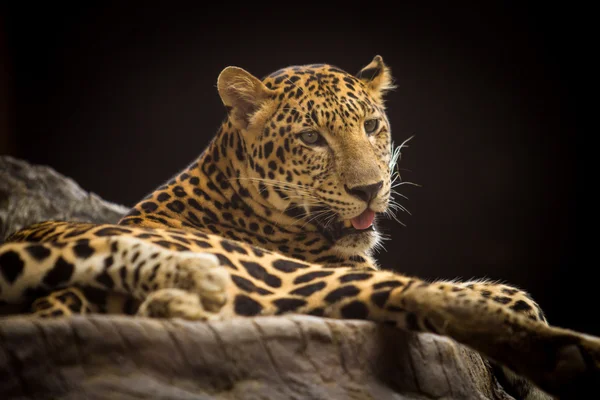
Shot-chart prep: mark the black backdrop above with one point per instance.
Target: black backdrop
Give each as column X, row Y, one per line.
column 121, row 97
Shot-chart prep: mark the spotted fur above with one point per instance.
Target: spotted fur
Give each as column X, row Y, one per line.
column 264, row 223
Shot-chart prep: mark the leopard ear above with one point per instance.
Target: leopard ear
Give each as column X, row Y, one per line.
column 242, row 93
column 377, row 77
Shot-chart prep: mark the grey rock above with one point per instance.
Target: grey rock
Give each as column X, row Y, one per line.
column 33, row 193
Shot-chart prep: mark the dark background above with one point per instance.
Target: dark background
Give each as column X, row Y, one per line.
column 121, row 97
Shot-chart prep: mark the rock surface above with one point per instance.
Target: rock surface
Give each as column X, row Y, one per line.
column 290, row 357
column 32, row 193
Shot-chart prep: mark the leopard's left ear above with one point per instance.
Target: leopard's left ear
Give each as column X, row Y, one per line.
column 377, row 77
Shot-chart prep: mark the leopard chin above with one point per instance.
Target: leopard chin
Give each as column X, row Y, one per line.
column 360, row 241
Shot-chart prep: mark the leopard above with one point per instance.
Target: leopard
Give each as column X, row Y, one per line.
column 280, row 214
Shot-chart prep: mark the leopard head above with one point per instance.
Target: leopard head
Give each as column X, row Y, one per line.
column 318, row 145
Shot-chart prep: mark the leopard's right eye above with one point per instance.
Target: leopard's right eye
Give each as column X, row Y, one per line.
column 312, row 138
column 371, row 126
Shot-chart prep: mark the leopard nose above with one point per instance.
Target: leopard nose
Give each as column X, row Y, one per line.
column 366, row 192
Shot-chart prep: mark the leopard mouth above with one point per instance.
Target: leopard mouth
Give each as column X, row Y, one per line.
column 341, row 230
column 359, row 225
column 334, row 227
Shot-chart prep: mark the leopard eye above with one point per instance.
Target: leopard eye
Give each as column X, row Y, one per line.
column 371, row 126
column 312, row 138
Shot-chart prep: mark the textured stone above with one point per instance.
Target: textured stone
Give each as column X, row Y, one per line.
column 32, row 193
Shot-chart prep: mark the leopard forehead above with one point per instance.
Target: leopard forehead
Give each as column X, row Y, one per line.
column 315, row 75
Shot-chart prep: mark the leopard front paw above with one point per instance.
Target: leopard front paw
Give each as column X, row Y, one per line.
column 175, row 303
column 197, row 290
column 203, row 275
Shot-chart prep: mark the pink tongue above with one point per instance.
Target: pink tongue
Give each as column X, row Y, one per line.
column 364, row 220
